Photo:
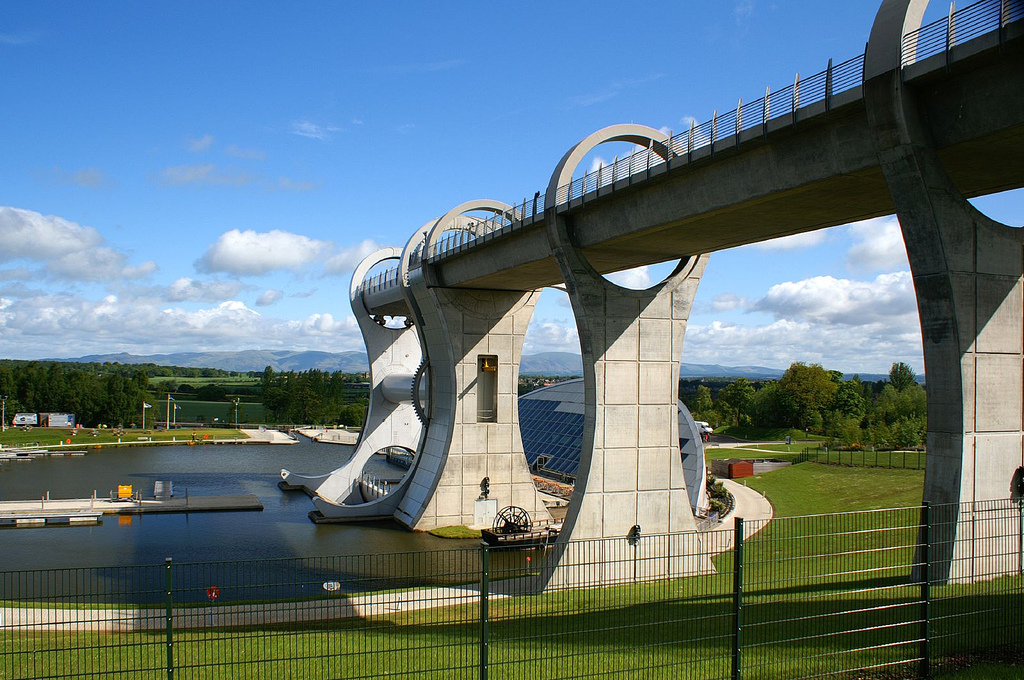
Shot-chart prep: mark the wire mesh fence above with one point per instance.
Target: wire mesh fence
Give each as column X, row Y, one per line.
column 860, row 457
column 861, row 593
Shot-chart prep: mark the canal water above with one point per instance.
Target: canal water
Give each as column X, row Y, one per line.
column 281, row 530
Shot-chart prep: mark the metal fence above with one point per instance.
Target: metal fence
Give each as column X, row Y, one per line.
column 862, row 592
column 892, row 460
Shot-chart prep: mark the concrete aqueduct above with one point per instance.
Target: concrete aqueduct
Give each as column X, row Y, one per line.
column 927, row 118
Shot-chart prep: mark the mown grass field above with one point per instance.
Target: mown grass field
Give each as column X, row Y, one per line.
column 206, row 411
column 89, row 437
column 227, row 382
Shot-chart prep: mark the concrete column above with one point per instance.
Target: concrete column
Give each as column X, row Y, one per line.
column 472, row 418
column 631, row 470
column 394, row 354
column 967, row 272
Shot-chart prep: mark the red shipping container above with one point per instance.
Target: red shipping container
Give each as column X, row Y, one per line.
column 743, row 468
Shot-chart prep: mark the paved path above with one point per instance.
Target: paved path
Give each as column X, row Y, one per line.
column 755, row 509
column 270, row 436
column 127, row 619
column 330, row 435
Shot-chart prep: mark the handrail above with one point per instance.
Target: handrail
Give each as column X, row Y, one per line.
column 935, row 38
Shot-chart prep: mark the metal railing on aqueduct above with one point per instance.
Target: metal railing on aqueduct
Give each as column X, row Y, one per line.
column 855, row 593
column 942, row 36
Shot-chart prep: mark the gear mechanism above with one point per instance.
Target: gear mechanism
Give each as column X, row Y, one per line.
column 423, row 371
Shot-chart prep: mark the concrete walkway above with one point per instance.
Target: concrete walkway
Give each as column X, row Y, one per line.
column 269, row 436
column 327, row 435
column 64, row 507
column 755, row 509
column 18, row 619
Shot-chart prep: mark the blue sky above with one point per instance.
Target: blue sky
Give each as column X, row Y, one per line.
column 204, row 176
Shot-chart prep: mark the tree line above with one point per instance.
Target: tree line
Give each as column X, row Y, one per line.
column 314, row 396
column 116, row 397
column 94, row 397
column 880, row 414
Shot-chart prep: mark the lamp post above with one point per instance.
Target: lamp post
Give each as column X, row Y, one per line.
column 3, row 413
column 236, row 413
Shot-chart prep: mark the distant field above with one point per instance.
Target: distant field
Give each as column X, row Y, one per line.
column 199, row 382
column 87, row 436
column 206, row 411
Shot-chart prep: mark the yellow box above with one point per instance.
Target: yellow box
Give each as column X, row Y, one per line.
column 124, row 490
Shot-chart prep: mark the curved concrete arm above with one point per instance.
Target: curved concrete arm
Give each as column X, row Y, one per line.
column 641, row 135
column 895, row 19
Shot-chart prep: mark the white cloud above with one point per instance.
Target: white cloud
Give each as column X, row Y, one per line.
column 322, row 325
column 201, row 144
column 250, row 252
column 246, row 154
column 30, row 235
column 306, row 128
column 269, row 297
column 111, row 324
column 97, row 264
column 288, row 184
column 186, row 289
column 871, row 349
column 345, row 261
column 743, row 10
column 612, row 90
column 827, row 300
column 879, row 246
column 637, row 279
column 16, row 274
column 69, row 250
column 181, row 175
column 808, row 239
column 89, row 178
column 727, row 302
column 551, row 336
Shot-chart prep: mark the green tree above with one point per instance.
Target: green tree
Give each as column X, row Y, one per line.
column 702, row 403
column 352, row 415
column 811, row 389
column 773, row 406
column 902, row 376
column 738, row 397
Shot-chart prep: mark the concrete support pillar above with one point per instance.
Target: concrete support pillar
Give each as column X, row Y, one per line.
column 967, row 272
column 394, row 354
column 631, row 470
column 473, row 341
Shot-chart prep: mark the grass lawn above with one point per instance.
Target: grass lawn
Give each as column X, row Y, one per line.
column 224, row 381
column 813, row 489
column 85, row 438
column 761, row 452
column 768, row 434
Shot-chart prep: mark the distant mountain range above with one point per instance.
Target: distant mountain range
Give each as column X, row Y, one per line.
column 245, row 360
column 543, row 363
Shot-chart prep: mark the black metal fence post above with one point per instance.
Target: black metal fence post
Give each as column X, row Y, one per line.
column 926, row 590
column 737, row 597
column 485, row 587
column 169, row 622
